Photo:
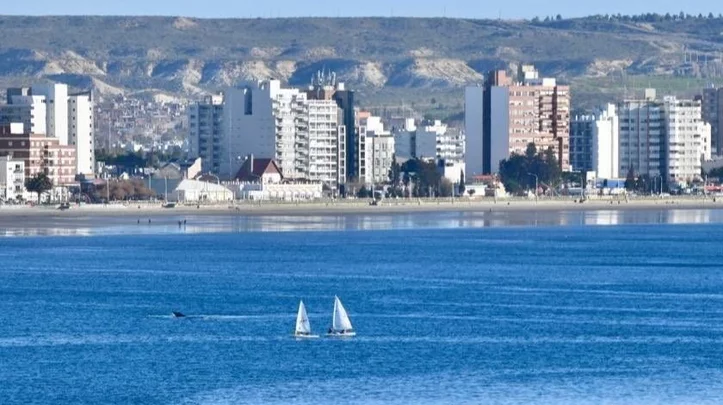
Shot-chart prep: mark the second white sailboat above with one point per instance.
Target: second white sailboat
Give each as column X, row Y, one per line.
column 340, row 323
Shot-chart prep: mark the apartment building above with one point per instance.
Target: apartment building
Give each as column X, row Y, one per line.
column 81, row 131
column 39, row 153
column 663, row 139
column 504, row 116
column 594, row 143
column 380, row 145
column 712, row 106
column 12, row 178
column 25, row 108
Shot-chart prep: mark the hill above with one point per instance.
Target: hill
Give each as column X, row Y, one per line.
column 188, row 57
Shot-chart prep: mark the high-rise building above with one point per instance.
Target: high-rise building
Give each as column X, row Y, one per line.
column 81, row 131
column 380, row 146
column 513, row 115
column 594, row 143
column 205, row 121
column 56, row 100
column 665, row 140
column 713, row 114
column 474, row 130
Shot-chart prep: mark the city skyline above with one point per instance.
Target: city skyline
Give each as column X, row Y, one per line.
column 376, row 8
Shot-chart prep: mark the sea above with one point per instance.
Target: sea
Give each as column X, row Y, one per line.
column 449, row 308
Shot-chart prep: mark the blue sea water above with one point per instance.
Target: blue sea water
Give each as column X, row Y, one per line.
column 625, row 314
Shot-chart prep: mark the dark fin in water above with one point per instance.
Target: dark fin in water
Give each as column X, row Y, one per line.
column 178, row 314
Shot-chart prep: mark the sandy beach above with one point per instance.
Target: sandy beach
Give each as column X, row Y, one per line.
column 12, row 214
column 145, row 218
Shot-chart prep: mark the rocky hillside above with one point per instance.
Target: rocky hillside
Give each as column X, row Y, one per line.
column 187, row 57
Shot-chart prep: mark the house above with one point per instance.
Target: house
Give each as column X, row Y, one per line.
column 257, row 170
column 261, row 179
column 179, row 170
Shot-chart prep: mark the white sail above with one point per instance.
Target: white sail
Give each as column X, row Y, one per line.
column 341, row 320
column 303, row 327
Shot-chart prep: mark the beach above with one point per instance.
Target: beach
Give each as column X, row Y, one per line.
column 348, row 215
column 9, row 214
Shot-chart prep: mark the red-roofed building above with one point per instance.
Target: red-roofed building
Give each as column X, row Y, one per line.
column 259, row 170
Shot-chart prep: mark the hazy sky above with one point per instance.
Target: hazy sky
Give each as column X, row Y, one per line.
column 296, row 8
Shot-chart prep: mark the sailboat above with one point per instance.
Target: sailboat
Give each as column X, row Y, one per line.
column 340, row 323
column 303, row 327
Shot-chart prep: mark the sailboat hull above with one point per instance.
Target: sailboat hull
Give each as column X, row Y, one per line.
column 341, row 335
column 304, row 337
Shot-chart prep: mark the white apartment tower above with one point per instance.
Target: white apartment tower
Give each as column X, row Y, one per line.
column 380, row 147
column 320, row 155
column 664, row 139
column 81, row 130
column 56, row 100
column 594, row 143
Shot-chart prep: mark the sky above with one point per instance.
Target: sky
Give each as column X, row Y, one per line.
column 328, row 8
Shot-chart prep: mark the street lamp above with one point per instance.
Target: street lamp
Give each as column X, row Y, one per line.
column 537, row 179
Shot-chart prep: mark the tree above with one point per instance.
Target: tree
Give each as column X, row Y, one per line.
column 630, row 179
column 461, row 182
column 445, row 188
column 517, row 172
column 424, row 175
column 558, row 17
column 39, row 184
column 363, row 192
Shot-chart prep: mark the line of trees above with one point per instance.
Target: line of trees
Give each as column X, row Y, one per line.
column 417, row 178
column 518, row 171
column 646, row 17
column 119, row 190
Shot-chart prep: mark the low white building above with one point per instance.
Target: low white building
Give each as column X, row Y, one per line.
column 294, row 191
column 200, row 191
column 451, row 170
column 12, row 178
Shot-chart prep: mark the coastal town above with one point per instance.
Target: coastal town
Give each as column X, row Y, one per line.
column 520, row 136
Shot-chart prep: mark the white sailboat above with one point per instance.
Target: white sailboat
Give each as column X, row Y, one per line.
column 340, row 323
column 303, row 327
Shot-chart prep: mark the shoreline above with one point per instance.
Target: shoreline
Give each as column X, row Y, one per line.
column 274, row 217
column 13, row 213
column 390, row 207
